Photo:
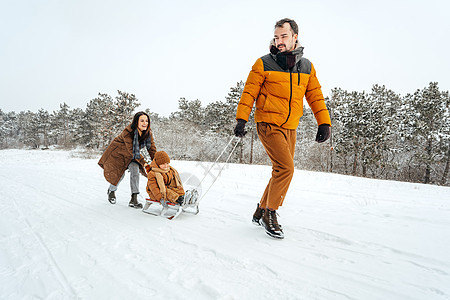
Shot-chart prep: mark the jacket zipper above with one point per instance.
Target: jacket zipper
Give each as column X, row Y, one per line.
column 290, row 97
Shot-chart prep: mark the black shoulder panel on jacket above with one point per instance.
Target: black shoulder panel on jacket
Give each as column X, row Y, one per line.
column 270, row 64
column 305, row 66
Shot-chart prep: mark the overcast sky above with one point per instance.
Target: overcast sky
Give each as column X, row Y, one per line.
column 68, row 51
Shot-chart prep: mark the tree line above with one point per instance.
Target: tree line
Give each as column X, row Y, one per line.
column 380, row 134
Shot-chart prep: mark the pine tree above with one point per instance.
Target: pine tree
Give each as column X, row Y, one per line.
column 217, row 118
column 444, row 137
column 351, row 113
column 391, row 132
column 42, row 123
column 98, row 124
column 123, row 107
column 74, row 126
column 60, row 124
column 428, row 107
column 8, row 129
column 380, row 118
column 190, row 112
column 154, row 117
column 28, row 132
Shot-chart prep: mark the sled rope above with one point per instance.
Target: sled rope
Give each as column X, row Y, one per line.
column 220, row 171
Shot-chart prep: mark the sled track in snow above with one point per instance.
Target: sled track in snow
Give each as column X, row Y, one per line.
column 73, row 203
column 54, row 265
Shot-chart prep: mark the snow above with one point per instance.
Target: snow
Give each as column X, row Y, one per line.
column 345, row 237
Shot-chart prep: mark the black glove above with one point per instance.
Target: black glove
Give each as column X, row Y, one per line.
column 323, row 133
column 180, row 200
column 239, row 130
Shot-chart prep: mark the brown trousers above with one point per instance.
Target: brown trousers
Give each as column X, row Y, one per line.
column 279, row 144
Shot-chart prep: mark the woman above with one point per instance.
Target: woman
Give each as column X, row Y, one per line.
column 123, row 153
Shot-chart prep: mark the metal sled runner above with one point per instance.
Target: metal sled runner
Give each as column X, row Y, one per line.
column 172, row 210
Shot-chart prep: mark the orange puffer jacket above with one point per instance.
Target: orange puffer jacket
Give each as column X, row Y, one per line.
column 279, row 93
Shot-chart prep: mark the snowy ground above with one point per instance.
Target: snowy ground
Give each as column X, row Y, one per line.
column 346, row 237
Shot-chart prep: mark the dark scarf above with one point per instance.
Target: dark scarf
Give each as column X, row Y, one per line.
column 137, row 146
column 287, row 59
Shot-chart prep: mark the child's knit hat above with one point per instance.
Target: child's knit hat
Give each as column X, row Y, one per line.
column 161, row 158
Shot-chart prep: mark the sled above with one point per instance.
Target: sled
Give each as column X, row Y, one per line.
column 192, row 185
column 170, row 210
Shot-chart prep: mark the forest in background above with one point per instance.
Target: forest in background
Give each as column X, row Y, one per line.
column 379, row 134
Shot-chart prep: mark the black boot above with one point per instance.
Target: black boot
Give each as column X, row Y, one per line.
column 180, row 200
column 270, row 223
column 111, row 197
column 133, row 202
column 257, row 215
column 259, row 212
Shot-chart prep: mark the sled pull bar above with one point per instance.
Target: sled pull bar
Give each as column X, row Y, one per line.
column 220, row 171
column 215, row 162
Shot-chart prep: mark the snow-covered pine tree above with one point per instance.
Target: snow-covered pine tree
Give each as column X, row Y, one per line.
column 98, row 124
column 426, row 116
column 217, row 118
column 123, row 110
column 352, row 114
column 390, row 133
column 43, row 125
column 220, row 116
column 28, row 132
column 75, row 128
column 444, row 138
column 154, row 117
column 190, row 112
column 8, row 129
column 3, row 130
column 60, row 125
column 380, row 119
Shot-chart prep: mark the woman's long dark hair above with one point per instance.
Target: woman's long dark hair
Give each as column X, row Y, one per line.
column 146, row 133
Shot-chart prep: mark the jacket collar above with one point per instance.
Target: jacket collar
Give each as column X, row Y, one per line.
column 288, row 59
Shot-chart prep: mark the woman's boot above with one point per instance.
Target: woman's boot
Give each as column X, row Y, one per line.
column 133, row 202
column 111, row 197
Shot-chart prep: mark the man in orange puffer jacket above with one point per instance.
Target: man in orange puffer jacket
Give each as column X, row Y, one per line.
column 278, row 82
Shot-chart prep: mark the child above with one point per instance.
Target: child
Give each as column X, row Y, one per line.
column 164, row 181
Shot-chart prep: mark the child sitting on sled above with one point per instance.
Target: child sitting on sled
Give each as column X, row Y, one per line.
column 164, row 182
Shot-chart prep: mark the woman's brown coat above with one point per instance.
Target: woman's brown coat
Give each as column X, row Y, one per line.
column 119, row 154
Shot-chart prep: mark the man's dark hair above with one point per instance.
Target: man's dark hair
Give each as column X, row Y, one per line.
column 294, row 26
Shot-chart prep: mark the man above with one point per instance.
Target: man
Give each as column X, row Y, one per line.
column 278, row 82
